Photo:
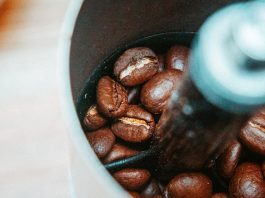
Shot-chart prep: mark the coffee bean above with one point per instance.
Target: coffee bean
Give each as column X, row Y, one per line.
column 157, row 91
column 253, row 133
column 112, row 98
column 247, row 182
column 189, row 185
column 93, row 120
column 220, row 195
column 161, row 62
column 118, row 152
column 134, row 95
column 132, row 179
column 134, row 194
column 228, row 160
column 151, row 189
column 178, row 58
column 101, row 141
column 263, row 168
column 137, row 125
column 136, row 66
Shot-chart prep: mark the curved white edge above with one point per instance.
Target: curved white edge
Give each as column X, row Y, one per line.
column 77, row 140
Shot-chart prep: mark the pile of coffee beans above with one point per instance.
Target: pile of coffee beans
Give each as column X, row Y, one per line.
column 122, row 122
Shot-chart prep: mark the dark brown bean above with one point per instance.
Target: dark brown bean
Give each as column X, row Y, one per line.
column 134, row 194
column 156, row 92
column 247, row 182
column 132, row 179
column 136, row 66
column 189, row 185
column 151, row 189
column 220, row 195
column 93, row 120
column 177, row 58
column 263, row 168
column 112, row 98
column 134, row 95
column 253, row 133
column 101, row 141
column 118, row 152
column 228, row 160
column 137, row 125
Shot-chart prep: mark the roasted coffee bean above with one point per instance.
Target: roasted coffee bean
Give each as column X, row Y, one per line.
column 189, row 185
column 134, row 194
column 151, row 189
column 253, row 133
column 112, row 98
column 156, row 92
column 228, row 160
column 137, row 125
column 177, row 58
column 161, row 62
column 118, row 152
column 220, row 195
column 263, row 168
column 132, row 179
column 247, row 182
column 93, row 120
column 136, row 66
column 101, row 141
column 134, row 95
